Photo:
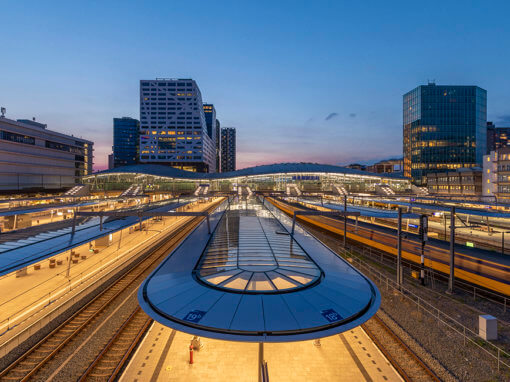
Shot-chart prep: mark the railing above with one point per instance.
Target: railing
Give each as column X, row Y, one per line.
column 468, row 335
column 476, row 292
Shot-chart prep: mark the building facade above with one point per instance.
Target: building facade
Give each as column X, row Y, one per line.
column 465, row 182
column 210, row 120
column 228, row 149
column 308, row 177
column 386, row 166
column 125, row 141
column 35, row 158
column 497, row 137
column 173, row 130
column 490, row 176
column 218, row 146
column 445, row 128
column 496, row 172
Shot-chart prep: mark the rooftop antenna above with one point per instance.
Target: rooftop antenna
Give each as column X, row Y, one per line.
column 3, row 110
column 432, row 82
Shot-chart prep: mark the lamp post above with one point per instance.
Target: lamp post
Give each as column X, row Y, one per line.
column 345, row 220
column 399, row 248
column 451, row 280
column 503, row 241
column 423, row 237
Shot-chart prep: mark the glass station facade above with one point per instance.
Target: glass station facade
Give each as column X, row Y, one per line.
column 308, row 178
column 445, row 128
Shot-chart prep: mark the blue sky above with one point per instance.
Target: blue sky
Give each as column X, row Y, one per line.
column 276, row 70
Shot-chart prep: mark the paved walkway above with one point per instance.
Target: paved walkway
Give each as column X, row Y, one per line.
column 351, row 356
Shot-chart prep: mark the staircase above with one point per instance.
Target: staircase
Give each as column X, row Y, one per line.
column 340, row 190
column 293, row 190
column 133, row 190
column 78, row 190
column 384, row 190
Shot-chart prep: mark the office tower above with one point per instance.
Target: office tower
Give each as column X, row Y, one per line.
column 212, row 131
column 210, row 118
column 35, row 158
column 445, row 128
column 218, row 146
column 125, row 141
column 497, row 137
column 173, row 129
column 228, row 149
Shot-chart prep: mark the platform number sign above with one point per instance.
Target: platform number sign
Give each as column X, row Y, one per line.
column 194, row 316
column 331, row 315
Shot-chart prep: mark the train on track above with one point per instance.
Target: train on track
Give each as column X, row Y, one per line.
column 482, row 272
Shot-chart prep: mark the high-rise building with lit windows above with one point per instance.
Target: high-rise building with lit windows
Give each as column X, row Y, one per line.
column 173, row 129
column 210, row 120
column 228, row 149
column 213, row 130
column 445, row 128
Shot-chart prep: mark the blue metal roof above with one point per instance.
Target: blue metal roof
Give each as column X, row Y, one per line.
column 18, row 254
column 368, row 211
column 445, row 208
column 341, row 299
column 171, row 172
column 33, row 210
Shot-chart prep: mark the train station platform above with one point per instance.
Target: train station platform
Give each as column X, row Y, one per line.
column 351, row 356
column 46, row 285
column 21, row 253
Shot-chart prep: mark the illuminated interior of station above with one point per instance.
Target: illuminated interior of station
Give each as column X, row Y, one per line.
column 308, row 177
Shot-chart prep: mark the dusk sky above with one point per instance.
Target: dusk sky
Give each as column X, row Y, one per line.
column 301, row 81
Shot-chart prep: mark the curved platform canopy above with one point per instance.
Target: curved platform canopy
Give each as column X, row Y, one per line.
column 250, row 280
column 279, row 168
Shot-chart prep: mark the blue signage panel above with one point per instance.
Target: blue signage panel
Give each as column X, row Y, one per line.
column 194, row 316
column 331, row 315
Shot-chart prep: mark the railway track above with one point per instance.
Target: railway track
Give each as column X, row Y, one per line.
column 403, row 359
column 108, row 364
column 485, row 275
column 40, row 355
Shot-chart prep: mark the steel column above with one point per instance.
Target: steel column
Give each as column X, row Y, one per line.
column 451, row 280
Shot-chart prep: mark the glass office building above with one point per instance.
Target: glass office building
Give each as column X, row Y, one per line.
column 445, row 128
column 125, row 141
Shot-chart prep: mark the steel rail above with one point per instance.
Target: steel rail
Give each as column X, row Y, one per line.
column 29, row 367
column 412, row 355
column 120, row 358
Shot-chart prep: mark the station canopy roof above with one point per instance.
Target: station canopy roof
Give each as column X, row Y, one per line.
column 171, row 172
column 251, row 281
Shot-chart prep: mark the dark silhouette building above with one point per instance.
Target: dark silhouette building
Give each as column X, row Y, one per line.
column 228, row 149
column 125, row 141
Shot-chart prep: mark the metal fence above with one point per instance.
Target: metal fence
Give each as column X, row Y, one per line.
column 433, row 275
column 468, row 335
